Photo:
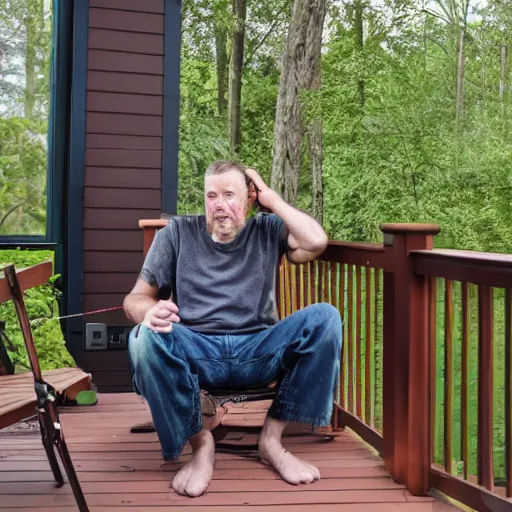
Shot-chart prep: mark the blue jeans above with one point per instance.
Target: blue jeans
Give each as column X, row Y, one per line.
column 301, row 351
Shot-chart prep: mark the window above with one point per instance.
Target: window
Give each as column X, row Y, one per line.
column 25, row 59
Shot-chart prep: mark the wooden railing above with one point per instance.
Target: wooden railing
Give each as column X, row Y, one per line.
column 420, row 330
column 470, row 339
column 348, row 276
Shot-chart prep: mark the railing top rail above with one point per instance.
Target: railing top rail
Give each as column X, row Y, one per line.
column 486, row 269
column 357, row 246
column 353, row 253
column 152, row 223
column 418, row 229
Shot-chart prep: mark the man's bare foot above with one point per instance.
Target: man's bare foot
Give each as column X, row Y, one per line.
column 293, row 470
column 193, row 478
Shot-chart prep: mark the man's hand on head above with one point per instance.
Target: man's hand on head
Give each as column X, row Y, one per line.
column 161, row 316
column 263, row 193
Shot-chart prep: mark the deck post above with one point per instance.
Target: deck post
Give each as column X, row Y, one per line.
column 406, row 412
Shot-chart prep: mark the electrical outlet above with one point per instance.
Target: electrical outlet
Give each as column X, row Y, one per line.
column 118, row 337
column 96, row 337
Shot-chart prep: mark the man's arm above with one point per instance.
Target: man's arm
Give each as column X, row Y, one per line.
column 306, row 238
column 142, row 307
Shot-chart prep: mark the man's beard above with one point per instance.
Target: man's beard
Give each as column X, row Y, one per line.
column 237, row 228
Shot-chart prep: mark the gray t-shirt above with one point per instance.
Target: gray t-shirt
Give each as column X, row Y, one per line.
column 219, row 288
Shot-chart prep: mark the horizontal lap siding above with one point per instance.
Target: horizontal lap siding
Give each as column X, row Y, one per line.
column 123, row 157
column 154, row 6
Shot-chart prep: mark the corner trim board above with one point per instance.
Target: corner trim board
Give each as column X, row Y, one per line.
column 170, row 140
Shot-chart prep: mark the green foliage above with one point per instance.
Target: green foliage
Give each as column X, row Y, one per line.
column 22, row 176
column 42, row 310
column 25, row 39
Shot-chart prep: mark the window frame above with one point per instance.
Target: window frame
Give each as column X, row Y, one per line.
column 57, row 134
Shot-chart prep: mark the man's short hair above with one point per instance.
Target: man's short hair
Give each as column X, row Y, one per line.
column 222, row 166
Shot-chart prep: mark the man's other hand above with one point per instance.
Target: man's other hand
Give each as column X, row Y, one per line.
column 263, row 193
column 161, row 316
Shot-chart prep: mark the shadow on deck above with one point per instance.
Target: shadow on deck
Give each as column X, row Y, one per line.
column 123, row 471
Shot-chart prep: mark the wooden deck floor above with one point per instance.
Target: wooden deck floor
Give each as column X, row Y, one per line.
column 122, row 471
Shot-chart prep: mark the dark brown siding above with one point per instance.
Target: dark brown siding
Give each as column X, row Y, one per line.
column 123, row 158
column 150, row 44
column 123, row 103
column 156, row 6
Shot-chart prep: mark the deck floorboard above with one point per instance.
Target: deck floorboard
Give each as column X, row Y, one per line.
column 120, row 471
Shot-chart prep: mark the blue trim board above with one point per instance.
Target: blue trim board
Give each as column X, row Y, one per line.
column 62, row 32
column 172, row 53
column 75, row 242
column 26, row 242
column 58, row 131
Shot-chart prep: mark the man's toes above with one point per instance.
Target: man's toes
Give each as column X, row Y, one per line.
column 308, row 473
column 315, row 472
column 196, row 488
column 180, row 489
column 306, row 477
column 179, row 482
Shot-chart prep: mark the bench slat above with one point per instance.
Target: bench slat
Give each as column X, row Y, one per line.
column 28, row 278
column 17, row 395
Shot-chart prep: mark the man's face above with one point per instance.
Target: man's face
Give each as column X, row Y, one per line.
column 225, row 199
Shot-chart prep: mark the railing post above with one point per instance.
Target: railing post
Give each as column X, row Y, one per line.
column 406, row 412
column 149, row 228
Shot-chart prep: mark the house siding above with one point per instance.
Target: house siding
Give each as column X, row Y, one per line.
column 123, row 161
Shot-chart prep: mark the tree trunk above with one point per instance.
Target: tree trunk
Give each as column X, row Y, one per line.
column 30, row 59
column 235, row 75
column 503, row 70
column 459, row 113
column 222, row 65
column 316, row 155
column 358, row 25
column 300, row 70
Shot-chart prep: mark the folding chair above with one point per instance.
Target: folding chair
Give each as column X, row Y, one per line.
column 47, row 396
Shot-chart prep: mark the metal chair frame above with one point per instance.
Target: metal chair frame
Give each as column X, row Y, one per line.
column 52, row 434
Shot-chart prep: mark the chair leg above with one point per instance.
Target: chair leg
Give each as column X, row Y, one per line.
column 53, row 437
column 62, row 447
column 49, row 449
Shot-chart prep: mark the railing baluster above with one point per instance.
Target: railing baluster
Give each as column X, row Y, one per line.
column 368, row 350
column 293, row 286
column 334, row 280
column 343, row 369
column 433, row 364
column 448, row 374
column 319, row 280
column 333, row 300
column 485, row 328
column 282, row 309
column 302, row 293
column 314, row 265
column 464, row 380
column 377, row 364
column 508, row 390
column 358, row 343
column 326, row 296
column 287, row 290
column 308, row 296
column 350, row 321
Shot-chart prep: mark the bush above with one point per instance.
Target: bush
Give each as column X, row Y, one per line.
column 42, row 310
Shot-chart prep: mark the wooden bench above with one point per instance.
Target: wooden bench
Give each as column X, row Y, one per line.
column 23, row 396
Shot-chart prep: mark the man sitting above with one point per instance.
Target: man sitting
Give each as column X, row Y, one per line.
column 221, row 330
